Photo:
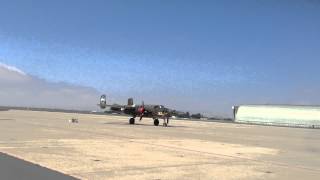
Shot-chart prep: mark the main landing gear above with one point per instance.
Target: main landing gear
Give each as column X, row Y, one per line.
column 165, row 122
column 131, row 121
column 156, row 121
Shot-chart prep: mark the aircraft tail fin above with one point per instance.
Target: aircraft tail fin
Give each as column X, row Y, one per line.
column 103, row 101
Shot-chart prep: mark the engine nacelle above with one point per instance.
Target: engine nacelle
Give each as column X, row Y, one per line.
column 130, row 102
column 103, row 102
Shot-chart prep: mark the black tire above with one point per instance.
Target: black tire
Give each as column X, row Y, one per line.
column 156, row 122
column 131, row 121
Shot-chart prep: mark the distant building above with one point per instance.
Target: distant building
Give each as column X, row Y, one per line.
column 280, row 115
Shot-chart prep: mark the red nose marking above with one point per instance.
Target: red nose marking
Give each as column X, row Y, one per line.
column 141, row 110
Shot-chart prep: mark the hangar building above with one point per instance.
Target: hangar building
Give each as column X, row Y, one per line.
column 279, row 115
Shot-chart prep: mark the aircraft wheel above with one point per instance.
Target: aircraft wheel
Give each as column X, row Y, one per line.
column 165, row 124
column 131, row 121
column 156, row 122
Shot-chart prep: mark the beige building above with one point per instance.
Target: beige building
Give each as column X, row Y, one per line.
column 281, row 115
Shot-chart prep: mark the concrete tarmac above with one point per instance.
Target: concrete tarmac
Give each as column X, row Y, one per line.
column 107, row 147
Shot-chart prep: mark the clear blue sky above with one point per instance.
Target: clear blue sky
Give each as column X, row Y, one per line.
column 192, row 55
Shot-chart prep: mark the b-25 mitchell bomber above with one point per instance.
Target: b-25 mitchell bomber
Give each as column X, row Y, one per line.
column 155, row 112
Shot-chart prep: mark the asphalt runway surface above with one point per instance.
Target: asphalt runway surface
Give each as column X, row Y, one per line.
column 107, row 147
column 12, row 168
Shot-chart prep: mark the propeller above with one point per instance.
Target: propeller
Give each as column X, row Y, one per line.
column 142, row 110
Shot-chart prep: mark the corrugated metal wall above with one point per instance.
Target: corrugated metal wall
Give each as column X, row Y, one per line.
column 297, row 116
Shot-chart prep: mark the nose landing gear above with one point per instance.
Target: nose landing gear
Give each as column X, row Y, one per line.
column 165, row 121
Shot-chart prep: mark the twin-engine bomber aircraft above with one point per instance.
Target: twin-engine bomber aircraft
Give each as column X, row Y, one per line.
column 156, row 112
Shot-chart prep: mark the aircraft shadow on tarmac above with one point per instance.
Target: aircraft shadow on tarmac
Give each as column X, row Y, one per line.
column 137, row 124
column 14, row 168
